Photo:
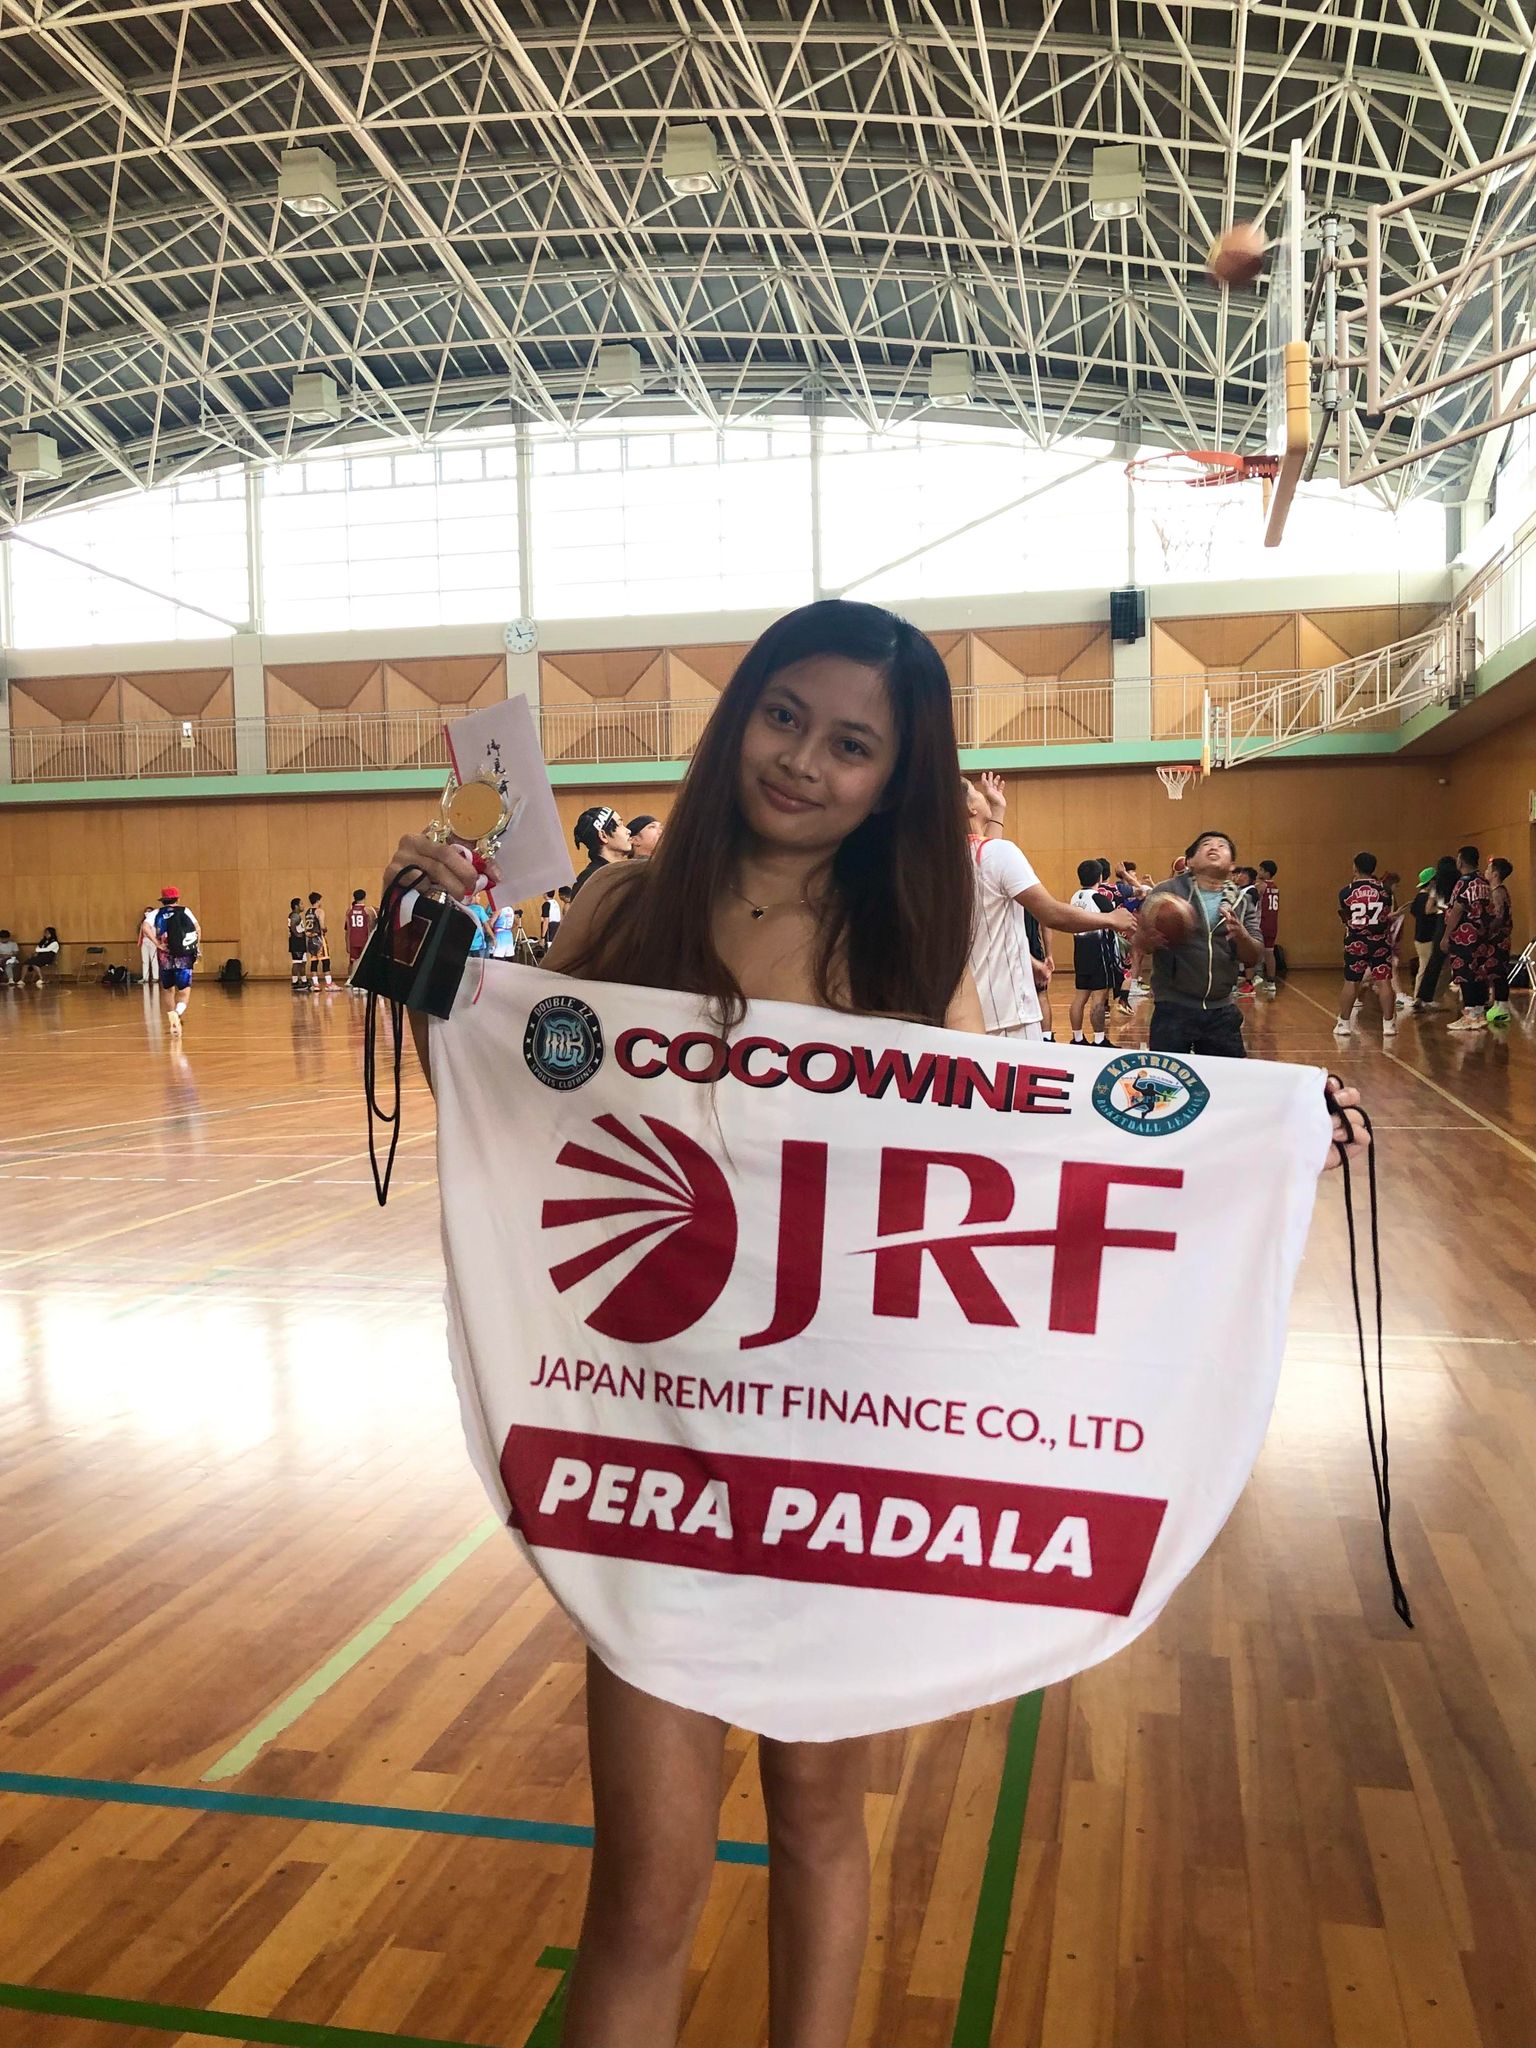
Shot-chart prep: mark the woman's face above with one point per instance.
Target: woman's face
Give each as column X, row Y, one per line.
column 818, row 751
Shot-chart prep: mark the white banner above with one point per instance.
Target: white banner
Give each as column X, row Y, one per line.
column 849, row 1373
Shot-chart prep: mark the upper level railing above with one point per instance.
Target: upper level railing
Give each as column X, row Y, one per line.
column 1038, row 711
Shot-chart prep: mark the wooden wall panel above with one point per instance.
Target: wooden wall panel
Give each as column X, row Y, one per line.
column 1487, row 804
column 241, row 860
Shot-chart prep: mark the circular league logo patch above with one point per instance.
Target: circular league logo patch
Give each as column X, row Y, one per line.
column 1150, row 1093
column 563, row 1044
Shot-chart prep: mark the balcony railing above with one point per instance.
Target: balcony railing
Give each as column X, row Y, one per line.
column 1039, row 711
column 1036, row 711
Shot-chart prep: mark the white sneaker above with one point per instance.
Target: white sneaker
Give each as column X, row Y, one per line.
column 1468, row 1024
column 1345, row 1028
column 1404, row 1003
column 1389, row 1029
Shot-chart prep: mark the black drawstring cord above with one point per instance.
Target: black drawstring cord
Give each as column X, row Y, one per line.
column 1381, row 1467
column 389, row 906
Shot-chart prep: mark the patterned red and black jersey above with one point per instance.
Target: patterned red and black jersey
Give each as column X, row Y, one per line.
column 1367, row 907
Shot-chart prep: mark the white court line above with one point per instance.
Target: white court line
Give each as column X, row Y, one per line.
column 176, row 1116
column 1418, row 1074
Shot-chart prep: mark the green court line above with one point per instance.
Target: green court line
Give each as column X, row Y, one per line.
column 369, row 1637
column 343, row 1813
column 550, row 2023
column 221, row 2026
column 994, row 1902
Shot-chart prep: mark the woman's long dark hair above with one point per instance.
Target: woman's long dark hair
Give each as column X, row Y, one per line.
column 895, row 928
column 1447, row 875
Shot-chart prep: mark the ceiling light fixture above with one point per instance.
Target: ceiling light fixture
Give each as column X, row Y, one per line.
column 1116, row 186
column 951, row 379
column 617, row 370
column 691, row 162
column 306, row 184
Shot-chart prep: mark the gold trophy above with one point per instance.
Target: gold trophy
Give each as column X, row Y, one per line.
column 419, row 960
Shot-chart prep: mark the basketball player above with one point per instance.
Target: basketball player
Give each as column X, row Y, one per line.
column 178, row 937
column 551, row 911
column 604, row 838
column 816, row 854
column 1497, row 877
column 1469, row 940
column 298, row 945
column 356, row 925
column 1365, row 911
column 1007, row 888
column 318, row 942
column 1269, row 925
column 1095, row 957
column 1193, row 977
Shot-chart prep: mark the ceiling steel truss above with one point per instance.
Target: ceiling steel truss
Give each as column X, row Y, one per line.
column 898, row 178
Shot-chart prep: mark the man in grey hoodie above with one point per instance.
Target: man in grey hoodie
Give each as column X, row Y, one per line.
column 1193, row 977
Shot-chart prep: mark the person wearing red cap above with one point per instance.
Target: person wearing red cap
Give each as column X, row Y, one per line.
column 177, row 935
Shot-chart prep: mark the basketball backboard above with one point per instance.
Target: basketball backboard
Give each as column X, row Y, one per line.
column 1290, row 417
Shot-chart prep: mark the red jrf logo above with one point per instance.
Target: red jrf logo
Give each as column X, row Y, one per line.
column 677, row 1203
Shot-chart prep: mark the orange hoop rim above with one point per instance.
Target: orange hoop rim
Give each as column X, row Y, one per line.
column 1201, row 468
column 1177, row 776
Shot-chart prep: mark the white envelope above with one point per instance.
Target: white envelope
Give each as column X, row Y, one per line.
column 502, row 743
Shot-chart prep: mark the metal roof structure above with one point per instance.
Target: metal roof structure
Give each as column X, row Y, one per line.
column 898, row 177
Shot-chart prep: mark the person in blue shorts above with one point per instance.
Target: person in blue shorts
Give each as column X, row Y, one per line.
column 177, row 937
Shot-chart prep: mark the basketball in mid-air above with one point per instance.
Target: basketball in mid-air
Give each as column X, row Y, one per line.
column 1165, row 920
column 1237, row 254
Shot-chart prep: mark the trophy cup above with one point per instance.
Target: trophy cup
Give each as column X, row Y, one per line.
column 419, row 960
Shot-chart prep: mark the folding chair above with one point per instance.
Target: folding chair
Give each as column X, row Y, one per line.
column 92, row 965
column 1525, row 967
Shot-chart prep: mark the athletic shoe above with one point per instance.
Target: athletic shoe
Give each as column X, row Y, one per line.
column 1404, row 1003
column 1497, row 1013
column 1388, row 1029
column 1078, row 1038
column 329, row 983
column 1345, row 1028
column 174, row 1020
column 1468, row 1024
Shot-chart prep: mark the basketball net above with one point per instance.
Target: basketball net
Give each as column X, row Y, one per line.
column 1176, row 780
column 1191, row 498
column 1186, row 523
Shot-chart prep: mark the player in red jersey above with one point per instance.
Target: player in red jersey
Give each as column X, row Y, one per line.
column 1269, row 924
column 1365, row 911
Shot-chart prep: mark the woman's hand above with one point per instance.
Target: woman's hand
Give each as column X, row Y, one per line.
column 450, row 868
column 1348, row 1125
column 991, row 786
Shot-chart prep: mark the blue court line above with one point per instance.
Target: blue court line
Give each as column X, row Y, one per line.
column 418, row 1820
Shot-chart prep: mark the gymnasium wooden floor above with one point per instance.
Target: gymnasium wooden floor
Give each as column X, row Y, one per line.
column 287, row 1733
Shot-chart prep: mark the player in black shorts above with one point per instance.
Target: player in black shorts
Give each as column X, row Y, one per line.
column 1370, row 952
column 1095, row 957
column 298, row 945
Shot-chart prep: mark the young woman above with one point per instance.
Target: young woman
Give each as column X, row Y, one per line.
column 816, row 854
column 44, row 962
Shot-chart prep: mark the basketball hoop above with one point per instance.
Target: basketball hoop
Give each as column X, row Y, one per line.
column 1177, row 780
column 1187, row 526
column 1201, row 468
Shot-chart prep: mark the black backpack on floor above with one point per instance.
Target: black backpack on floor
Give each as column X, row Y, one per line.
column 232, row 971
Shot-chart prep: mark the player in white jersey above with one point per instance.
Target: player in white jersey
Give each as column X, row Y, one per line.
column 1006, row 887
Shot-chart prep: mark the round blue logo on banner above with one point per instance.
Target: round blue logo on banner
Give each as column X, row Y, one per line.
column 1150, row 1093
column 563, row 1044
